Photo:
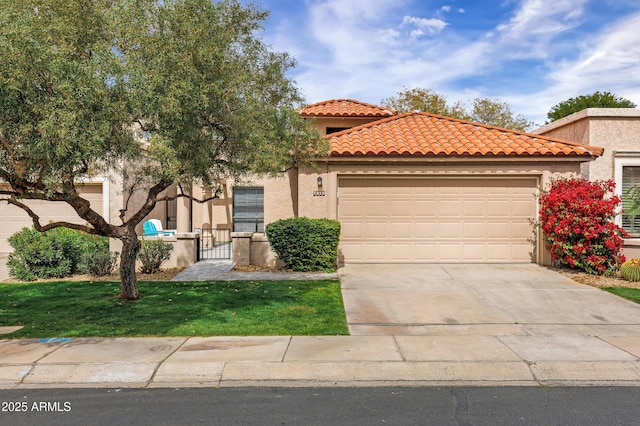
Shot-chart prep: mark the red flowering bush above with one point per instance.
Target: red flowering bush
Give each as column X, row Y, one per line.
column 577, row 222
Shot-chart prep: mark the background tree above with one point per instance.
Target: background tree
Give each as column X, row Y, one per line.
column 499, row 114
column 483, row 110
column 426, row 100
column 594, row 100
column 161, row 92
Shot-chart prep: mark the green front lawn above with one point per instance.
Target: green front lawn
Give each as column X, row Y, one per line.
column 632, row 294
column 222, row 308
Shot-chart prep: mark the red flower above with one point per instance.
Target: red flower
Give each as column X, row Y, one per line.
column 576, row 219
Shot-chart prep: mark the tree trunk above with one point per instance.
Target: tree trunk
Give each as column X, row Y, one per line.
column 128, row 279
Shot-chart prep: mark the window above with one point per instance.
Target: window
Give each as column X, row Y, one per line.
column 631, row 199
column 248, row 209
column 336, row 129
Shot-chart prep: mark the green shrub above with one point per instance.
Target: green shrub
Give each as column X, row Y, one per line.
column 101, row 263
column 305, row 244
column 630, row 270
column 96, row 259
column 153, row 254
column 57, row 253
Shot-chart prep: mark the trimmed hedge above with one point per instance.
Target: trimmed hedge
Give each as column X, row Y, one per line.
column 305, row 244
column 58, row 253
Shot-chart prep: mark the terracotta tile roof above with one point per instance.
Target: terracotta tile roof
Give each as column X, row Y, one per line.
column 345, row 108
column 429, row 135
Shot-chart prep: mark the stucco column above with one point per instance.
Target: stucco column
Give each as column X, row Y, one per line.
column 183, row 213
column 241, row 248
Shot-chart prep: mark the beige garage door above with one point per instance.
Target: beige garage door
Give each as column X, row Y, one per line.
column 436, row 219
column 13, row 218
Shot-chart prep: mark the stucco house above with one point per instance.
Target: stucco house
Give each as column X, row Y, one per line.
column 617, row 130
column 412, row 187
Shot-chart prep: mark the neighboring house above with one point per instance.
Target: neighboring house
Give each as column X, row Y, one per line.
column 413, row 187
column 617, row 130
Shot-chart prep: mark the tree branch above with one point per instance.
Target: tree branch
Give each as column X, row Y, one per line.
column 215, row 196
column 149, row 204
column 36, row 219
column 7, row 146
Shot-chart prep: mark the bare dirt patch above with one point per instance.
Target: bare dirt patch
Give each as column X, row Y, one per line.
column 258, row 268
column 596, row 280
column 163, row 275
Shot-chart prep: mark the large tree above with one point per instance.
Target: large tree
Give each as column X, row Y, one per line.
column 483, row 110
column 594, row 100
column 162, row 92
column 499, row 114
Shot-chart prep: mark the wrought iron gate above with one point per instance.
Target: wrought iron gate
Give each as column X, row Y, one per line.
column 215, row 243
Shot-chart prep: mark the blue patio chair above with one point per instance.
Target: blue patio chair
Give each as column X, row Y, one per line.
column 150, row 230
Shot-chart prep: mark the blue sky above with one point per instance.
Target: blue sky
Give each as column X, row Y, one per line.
column 529, row 53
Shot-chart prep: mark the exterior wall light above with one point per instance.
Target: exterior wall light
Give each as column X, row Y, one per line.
column 320, row 192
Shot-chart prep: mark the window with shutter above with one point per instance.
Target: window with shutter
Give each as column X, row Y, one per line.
column 631, row 199
column 248, row 209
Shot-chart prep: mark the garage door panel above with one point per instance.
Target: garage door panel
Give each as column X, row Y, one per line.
column 521, row 251
column 351, row 208
column 376, row 208
column 521, row 208
column 436, row 220
column 499, row 230
column 497, row 252
column 450, row 208
column 400, row 208
column 424, row 208
column 352, row 230
column 424, row 229
column 474, row 230
column 450, row 252
column 398, row 252
column 398, row 230
column 497, row 207
column 522, row 228
column 377, row 252
column 474, row 208
column 474, row 252
column 376, row 230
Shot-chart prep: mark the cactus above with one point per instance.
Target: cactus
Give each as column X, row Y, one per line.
column 630, row 270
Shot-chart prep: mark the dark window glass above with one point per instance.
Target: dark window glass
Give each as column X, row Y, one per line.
column 336, row 129
column 248, row 209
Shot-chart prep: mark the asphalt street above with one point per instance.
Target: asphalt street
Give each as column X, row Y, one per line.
column 323, row 406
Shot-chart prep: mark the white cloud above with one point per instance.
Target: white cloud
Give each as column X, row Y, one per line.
column 445, row 8
column 432, row 25
column 543, row 16
column 608, row 62
column 537, row 23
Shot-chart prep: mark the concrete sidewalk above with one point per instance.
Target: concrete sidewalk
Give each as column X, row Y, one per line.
column 411, row 325
column 321, row 361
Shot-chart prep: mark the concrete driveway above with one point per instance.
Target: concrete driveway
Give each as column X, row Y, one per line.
column 489, row 300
